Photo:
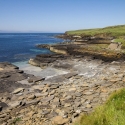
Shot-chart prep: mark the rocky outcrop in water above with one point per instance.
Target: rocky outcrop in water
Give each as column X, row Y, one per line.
column 75, row 50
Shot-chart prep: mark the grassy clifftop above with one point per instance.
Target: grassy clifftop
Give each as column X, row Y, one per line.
column 115, row 31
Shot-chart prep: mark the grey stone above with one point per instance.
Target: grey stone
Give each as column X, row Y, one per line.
column 52, row 92
column 18, row 90
column 51, row 115
column 37, row 95
column 33, row 102
column 47, row 99
column 63, row 113
column 88, row 93
column 45, row 112
column 31, row 96
column 77, row 99
column 77, row 104
column 14, row 104
column 56, row 99
column 3, row 105
column 37, row 79
column 77, row 94
column 54, row 86
column 67, row 105
column 56, row 79
column 69, row 75
column 87, row 109
column 68, row 97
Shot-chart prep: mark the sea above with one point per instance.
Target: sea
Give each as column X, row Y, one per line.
column 20, row 47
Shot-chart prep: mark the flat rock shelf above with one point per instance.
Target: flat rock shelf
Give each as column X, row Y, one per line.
column 40, row 97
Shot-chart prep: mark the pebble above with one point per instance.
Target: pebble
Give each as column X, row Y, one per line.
column 16, row 91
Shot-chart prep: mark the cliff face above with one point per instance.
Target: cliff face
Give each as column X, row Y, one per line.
column 88, row 39
column 98, row 42
column 98, row 35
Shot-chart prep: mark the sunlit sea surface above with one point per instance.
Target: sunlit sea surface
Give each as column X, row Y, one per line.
column 20, row 47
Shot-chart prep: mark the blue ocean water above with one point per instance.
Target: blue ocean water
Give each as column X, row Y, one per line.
column 17, row 47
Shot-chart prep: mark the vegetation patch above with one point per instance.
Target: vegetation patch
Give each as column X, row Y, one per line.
column 16, row 120
column 111, row 113
column 114, row 31
column 121, row 40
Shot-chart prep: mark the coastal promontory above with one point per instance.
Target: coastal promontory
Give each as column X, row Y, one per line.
column 75, row 79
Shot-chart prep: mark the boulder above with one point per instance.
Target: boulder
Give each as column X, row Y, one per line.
column 34, row 62
column 3, row 105
column 115, row 46
column 14, row 104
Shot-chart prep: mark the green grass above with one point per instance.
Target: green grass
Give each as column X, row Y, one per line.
column 115, row 31
column 111, row 113
column 122, row 40
column 16, row 120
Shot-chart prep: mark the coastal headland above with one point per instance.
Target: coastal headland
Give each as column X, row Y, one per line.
column 79, row 76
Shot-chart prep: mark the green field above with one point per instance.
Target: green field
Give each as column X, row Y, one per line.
column 112, row 113
column 115, row 31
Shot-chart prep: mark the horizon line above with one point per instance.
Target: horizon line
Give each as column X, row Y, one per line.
column 31, row 32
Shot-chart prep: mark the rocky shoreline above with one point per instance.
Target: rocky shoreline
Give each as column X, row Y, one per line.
column 62, row 98
column 69, row 84
column 98, row 47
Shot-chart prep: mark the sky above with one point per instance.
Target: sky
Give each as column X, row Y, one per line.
column 59, row 15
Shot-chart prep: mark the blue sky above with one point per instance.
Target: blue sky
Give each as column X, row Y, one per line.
column 59, row 15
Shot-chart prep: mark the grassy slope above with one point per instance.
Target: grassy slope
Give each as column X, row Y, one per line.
column 118, row 32
column 115, row 31
column 112, row 113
